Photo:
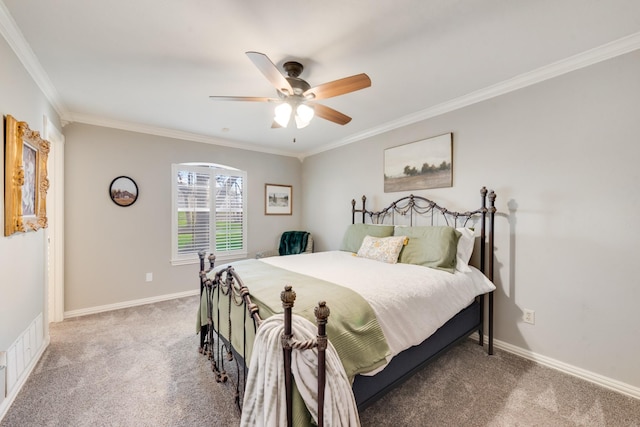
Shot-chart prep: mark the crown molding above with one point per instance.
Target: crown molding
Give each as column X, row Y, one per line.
column 170, row 133
column 12, row 34
column 593, row 56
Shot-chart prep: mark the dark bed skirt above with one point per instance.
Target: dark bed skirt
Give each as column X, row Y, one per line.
column 368, row 389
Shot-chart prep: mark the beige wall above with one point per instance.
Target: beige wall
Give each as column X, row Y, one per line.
column 562, row 157
column 22, row 256
column 109, row 249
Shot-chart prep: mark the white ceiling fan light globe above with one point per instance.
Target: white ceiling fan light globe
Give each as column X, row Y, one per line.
column 304, row 114
column 282, row 114
column 301, row 123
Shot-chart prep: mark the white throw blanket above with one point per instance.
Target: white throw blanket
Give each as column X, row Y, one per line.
column 265, row 398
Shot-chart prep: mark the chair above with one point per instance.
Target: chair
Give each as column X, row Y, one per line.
column 291, row 243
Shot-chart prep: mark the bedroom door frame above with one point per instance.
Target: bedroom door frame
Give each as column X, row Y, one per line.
column 54, row 295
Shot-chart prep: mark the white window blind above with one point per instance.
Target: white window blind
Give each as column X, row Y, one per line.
column 229, row 213
column 194, row 219
column 208, row 212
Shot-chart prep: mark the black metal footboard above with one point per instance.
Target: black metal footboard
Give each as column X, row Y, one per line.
column 216, row 342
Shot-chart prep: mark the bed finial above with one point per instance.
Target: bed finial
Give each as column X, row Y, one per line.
column 288, row 296
column 322, row 312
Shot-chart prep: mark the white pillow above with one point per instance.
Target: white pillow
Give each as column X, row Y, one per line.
column 385, row 249
column 465, row 248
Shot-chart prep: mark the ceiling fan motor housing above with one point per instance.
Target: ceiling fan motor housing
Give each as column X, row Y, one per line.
column 294, row 69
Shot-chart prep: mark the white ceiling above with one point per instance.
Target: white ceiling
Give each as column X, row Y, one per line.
column 150, row 65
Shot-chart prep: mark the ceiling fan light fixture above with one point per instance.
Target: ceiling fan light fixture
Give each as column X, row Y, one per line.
column 293, row 92
column 282, row 114
column 304, row 114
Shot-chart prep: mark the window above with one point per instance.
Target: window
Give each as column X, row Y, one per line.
column 209, row 212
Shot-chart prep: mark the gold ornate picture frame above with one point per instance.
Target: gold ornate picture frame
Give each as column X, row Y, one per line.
column 25, row 178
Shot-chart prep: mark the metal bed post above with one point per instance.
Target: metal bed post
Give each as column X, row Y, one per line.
column 364, row 210
column 492, row 211
column 288, row 296
column 322, row 313
column 204, row 329
column 483, row 194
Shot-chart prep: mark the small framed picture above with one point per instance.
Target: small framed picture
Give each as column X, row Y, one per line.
column 123, row 191
column 277, row 199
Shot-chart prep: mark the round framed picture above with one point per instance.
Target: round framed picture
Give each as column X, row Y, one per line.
column 123, row 191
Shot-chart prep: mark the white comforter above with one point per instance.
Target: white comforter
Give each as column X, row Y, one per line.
column 411, row 302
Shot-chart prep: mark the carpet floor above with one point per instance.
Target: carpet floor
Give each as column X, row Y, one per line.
column 140, row 367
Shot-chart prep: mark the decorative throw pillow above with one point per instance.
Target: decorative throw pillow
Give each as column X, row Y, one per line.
column 355, row 234
column 385, row 249
column 465, row 248
column 430, row 246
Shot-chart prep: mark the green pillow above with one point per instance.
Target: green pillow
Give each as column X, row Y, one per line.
column 355, row 234
column 431, row 246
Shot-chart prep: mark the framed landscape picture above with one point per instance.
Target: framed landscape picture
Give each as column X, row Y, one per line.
column 419, row 165
column 277, row 199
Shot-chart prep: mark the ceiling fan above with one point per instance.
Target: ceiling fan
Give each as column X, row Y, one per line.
column 296, row 97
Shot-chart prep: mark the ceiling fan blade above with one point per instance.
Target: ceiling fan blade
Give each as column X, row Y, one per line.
column 270, row 71
column 339, row 87
column 243, row 98
column 330, row 114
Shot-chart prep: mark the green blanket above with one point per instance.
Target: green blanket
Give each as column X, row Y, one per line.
column 352, row 326
column 293, row 242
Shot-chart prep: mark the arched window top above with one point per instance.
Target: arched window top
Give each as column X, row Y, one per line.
column 209, row 165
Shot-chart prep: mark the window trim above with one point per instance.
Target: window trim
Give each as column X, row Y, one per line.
column 213, row 170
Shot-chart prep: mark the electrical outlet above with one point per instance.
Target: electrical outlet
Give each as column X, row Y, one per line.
column 529, row 316
column 149, row 277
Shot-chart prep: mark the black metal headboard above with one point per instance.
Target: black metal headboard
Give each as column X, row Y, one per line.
column 413, row 206
column 410, row 208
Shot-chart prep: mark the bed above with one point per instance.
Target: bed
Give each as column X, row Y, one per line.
column 433, row 284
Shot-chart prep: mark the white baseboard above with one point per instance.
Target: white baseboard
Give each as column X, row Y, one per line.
column 127, row 304
column 566, row 368
column 13, row 393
